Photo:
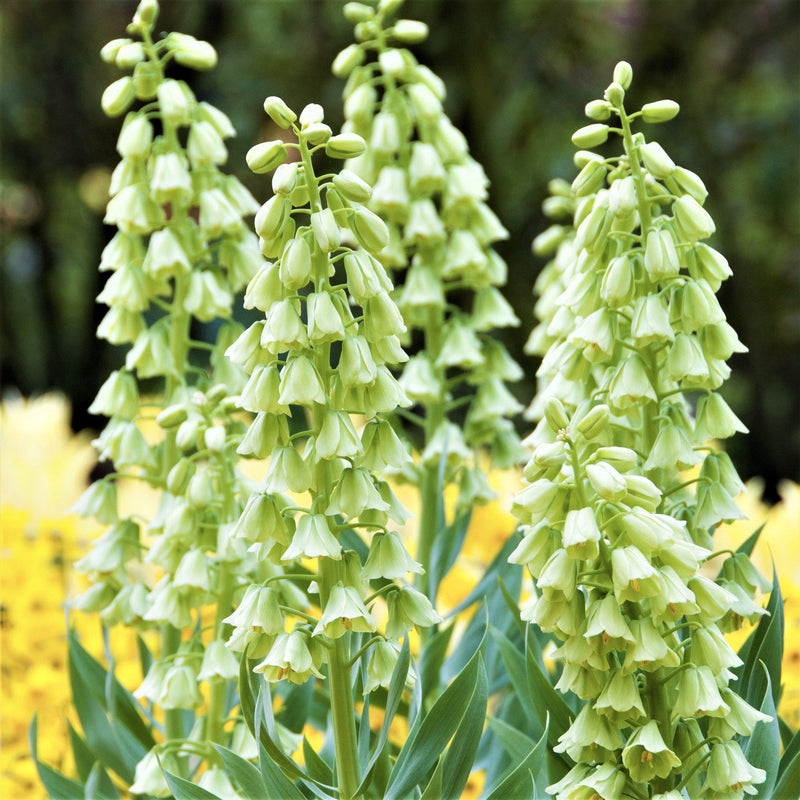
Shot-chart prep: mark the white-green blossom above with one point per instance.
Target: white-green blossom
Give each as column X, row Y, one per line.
column 615, row 534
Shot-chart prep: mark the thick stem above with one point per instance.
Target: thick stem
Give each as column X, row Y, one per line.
column 341, row 696
column 429, row 487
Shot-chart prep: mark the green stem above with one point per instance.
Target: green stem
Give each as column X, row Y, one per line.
column 341, row 697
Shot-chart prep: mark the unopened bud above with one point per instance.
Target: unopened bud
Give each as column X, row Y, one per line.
column 195, row 54
column 370, row 230
column 555, row 414
column 279, row 112
column 599, row 110
column 171, row 416
column 129, row 55
column 623, row 74
column 655, row 158
column 118, row 96
column 594, row 422
column 345, row 145
column 110, row 50
column 614, row 94
column 179, row 476
column 410, row 31
column 694, row 220
column 215, row 438
column 660, row 111
column 590, row 178
column 266, row 156
column 352, row 187
column 357, row 12
column 590, row 135
column 347, row 60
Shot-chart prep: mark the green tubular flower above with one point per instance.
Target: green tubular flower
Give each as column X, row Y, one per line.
column 181, row 252
column 432, row 197
column 321, row 355
column 615, row 535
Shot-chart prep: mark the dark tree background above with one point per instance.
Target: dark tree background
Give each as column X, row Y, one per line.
column 518, row 74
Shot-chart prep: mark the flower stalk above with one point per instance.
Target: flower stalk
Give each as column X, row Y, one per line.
column 181, row 252
column 321, row 355
column 432, row 195
column 615, row 534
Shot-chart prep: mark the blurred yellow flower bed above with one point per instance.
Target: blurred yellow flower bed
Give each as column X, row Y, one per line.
column 43, row 471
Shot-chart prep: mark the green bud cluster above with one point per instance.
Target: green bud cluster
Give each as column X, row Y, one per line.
column 614, row 536
column 322, row 354
column 181, row 252
column 433, row 196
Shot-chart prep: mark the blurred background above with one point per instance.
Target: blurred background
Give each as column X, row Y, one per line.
column 518, row 74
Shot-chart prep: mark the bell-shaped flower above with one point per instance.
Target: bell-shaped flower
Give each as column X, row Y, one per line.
column 408, row 608
column 384, row 395
column 419, row 380
column 715, row 420
column 630, row 385
column 284, row 329
column 698, row 695
column 390, row 195
column 538, row 544
column 646, row 756
column 150, row 355
column 356, row 364
column 218, row 662
column 709, row 647
column 380, row 667
column 460, row 348
column 382, row 447
column 207, row 297
column 166, row 255
column 426, row 173
column 424, row 226
column 729, row 774
column 366, row 277
column 581, row 535
column 671, row 450
column 313, row 539
column 634, row 576
column 261, row 521
column 591, row 737
column 180, row 688
column 149, row 779
column 382, row 318
column 169, row 604
column 287, row 472
column 675, row 600
column 344, row 612
column 205, row 146
column 686, row 363
column 661, row 259
column 259, row 610
column 117, row 397
column 620, row 699
column 388, row 558
column 741, row 719
column 293, row 657
column 650, row 651
column 301, row 383
column 193, row 571
column 604, row 619
column 324, row 322
column 651, row 320
column 715, row 505
column 337, row 437
column 355, row 492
